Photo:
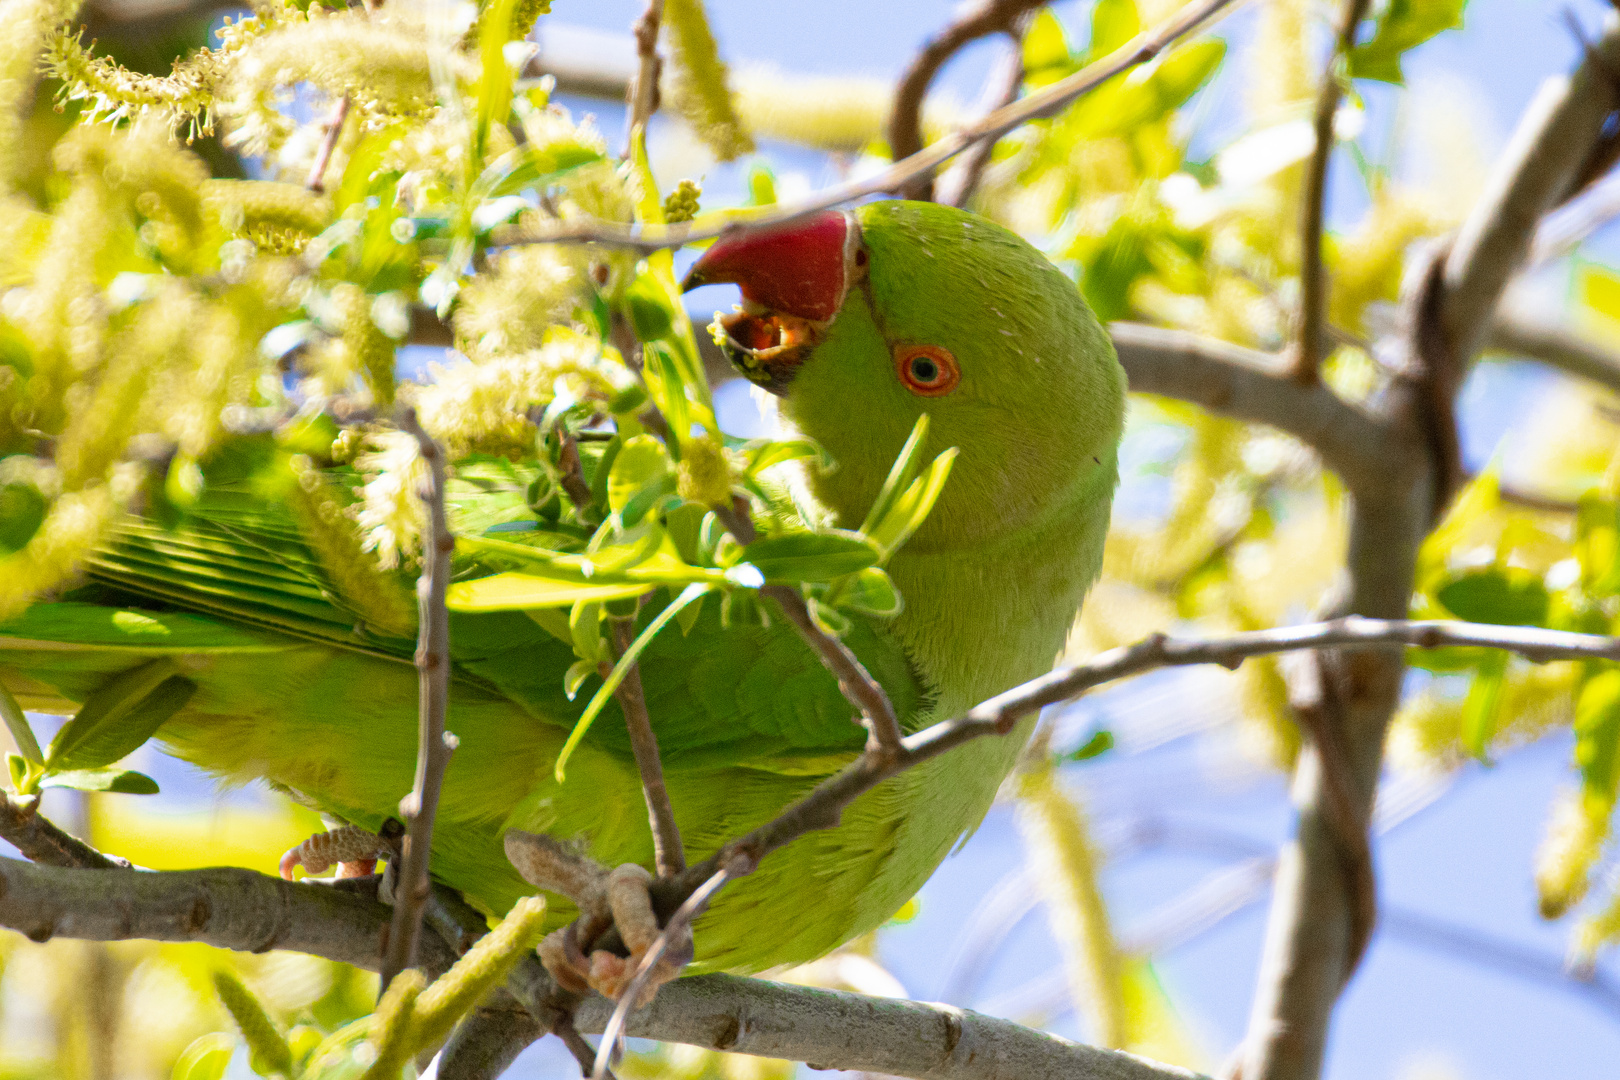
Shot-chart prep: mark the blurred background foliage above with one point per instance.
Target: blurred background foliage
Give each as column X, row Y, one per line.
column 209, row 212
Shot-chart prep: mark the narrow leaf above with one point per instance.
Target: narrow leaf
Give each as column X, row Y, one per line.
column 900, row 474
column 117, row 781
column 17, row 724
column 795, row 557
column 119, row 716
column 1482, row 705
column 913, row 507
column 691, row 594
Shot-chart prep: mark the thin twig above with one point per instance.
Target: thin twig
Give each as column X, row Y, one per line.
column 854, row 681
column 647, row 238
column 957, row 184
column 323, row 153
column 668, row 853
column 905, row 117
column 27, row 830
column 1312, row 275
column 434, row 745
column 679, row 923
column 573, row 472
column 642, row 94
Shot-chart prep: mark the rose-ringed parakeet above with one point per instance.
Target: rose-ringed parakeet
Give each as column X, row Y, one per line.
column 859, row 322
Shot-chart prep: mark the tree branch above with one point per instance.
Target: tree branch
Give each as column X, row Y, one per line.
column 433, row 745
column 856, row 683
column 225, row 907
column 668, row 853
column 1522, row 334
column 27, row 830
column 958, row 183
column 1312, row 276
column 647, row 238
column 905, row 118
column 642, row 94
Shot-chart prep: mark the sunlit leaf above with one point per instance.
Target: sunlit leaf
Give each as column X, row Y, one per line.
column 1483, row 704
column 869, row 592
column 1100, row 743
column 575, row 676
column 1597, row 735
column 901, row 472
column 118, row 781
column 1401, row 26
column 22, row 734
column 1046, row 49
column 515, row 590
column 206, row 1058
column 909, row 511
column 119, row 716
column 795, row 557
column 1503, row 595
column 1113, row 23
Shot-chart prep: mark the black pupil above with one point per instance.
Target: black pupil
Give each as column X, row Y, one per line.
column 924, row 370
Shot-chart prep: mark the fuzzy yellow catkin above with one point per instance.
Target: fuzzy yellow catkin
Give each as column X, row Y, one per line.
column 72, row 527
column 704, row 473
column 484, row 966
column 682, row 203
column 1066, row 866
column 264, row 1038
column 375, row 596
column 25, row 26
column 698, row 81
column 391, row 1026
column 244, row 206
column 1576, row 828
column 1597, row 929
column 510, row 309
column 391, row 514
column 367, row 348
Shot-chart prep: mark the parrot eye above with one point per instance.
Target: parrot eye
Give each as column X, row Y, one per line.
column 927, row 370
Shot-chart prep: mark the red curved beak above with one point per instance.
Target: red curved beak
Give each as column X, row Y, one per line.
column 803, row 268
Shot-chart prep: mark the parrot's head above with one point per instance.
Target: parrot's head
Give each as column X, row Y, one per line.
column 861, row 320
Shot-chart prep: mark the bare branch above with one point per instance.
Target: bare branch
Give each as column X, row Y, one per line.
column 1253, row 386
column 433, row 745
column 647, row 238
column 905, row 118
column 491, row 1037
column 642, row 95
column 225, row 907
column 1517, row 332
column 1312, row 276
column 854, row 681
column 27, row 830
column 1554, row 138
column 958, row 183
column 329, row 140
column 668, row 853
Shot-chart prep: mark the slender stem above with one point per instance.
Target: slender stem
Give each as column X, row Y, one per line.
column 667, row 848
column 1043, row 102
column 854, row 681
column 959, row 182
column 323, row 153
column 27, row 830
column 433, row 745
column 642, row 95
column 1312, row 276
column 905, row 118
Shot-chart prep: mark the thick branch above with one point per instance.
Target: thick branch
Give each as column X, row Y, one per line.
column 1525, row 335
column 433, row 745
column 905, row 119
column 856, row 683
column 1312, row 277
column 1043, row 102
column 224, row 907
column 1552, row 143
column 668, row 853
column 837, row 1030
column 1252, row 386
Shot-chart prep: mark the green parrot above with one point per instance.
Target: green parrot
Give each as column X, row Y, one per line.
column 859, row 322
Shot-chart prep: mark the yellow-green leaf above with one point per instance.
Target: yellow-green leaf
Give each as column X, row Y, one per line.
column 515, row 590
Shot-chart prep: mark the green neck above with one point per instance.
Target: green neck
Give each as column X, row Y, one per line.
column 980, row 620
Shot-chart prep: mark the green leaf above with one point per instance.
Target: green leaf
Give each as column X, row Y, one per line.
column 869, row 592
column 118, row 781
column 206, row 1058
column 585, row 624
column 1113, row 23
column 1045, row 45
column 1403, row 25
column 17, row 724
column 1503, row 595
column 795, row 557
column 119, row 716
column 495, row 81
column 22, row 510
column 515, row 591
column 687, row 617
column 910, row 510
column 691, row 594
column 900, row 473
column 553, row 621
column 641, row 463
column 1480, row 710
column 575, row 676
column 684, row 524
column 1099, row 743
column 648, row 309
column 1597, row 734
column 763, row 453
column 19, row 770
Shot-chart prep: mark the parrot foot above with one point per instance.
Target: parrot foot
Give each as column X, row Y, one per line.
column 605, row 899
column 353, row 850
column 629, row 907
